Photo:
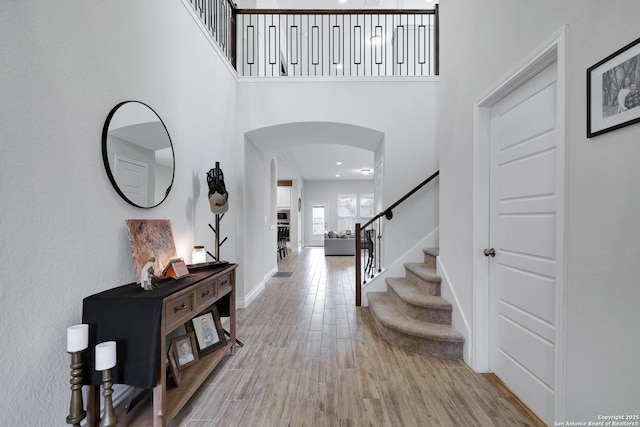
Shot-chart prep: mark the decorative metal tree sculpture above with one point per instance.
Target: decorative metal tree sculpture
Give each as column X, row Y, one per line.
column 218, row 200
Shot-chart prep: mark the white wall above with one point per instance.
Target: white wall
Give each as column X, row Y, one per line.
column 480, row 43
column 297, row 234
column 329, row 190
column 64, row 65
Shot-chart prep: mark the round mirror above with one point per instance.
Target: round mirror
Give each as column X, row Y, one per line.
column 138, row 154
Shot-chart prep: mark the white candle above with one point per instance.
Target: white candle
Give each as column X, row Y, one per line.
column 105, row 355
column 77, row 338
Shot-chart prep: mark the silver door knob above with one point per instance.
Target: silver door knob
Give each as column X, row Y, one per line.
column 490, row 252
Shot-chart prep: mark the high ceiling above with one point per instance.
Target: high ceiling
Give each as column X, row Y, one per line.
column 314, row 153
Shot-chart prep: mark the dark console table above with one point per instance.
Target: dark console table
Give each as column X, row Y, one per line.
column 139, row 321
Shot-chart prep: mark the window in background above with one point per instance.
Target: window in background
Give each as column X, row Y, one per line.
column 367, row 208
column 347, row 212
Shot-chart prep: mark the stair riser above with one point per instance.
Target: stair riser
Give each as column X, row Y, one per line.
column 426, row 314
column 432, row 288
column 430, row 260
column 430, row 347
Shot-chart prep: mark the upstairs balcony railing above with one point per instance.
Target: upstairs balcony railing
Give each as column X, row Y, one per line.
column 336, row 43
column 218, row 18
column 323, row 43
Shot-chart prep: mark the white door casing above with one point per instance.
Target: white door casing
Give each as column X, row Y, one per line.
column 519, row 209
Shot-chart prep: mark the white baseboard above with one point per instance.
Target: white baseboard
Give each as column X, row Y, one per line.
column 248, row 299
column 458, row 318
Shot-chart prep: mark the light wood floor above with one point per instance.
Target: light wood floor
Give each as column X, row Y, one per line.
column 311, row 358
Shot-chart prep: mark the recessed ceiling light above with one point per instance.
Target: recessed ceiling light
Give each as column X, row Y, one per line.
column 339, row 163
column 365, row 171
column 337, row 175
column 343, row 1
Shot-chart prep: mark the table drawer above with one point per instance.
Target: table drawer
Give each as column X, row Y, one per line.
column 224, row 285
column 206, row 294
column 179, row 310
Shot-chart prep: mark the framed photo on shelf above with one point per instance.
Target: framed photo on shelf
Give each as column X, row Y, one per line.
column 184, row 350
column 208, row 331
column 173, row 367
column 613, row 91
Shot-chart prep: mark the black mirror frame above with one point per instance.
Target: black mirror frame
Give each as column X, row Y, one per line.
column 105, row 156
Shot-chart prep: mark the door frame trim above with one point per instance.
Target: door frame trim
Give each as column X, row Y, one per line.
column 554, row 49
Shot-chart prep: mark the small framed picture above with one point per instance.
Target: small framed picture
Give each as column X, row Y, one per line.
column 184, row 350
column 173, row 367
column 613, row 91
column 208, row 331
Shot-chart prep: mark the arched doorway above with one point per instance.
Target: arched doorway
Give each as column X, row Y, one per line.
column 265, row 144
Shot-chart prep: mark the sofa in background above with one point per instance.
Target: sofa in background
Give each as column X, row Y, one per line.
column 335, row 244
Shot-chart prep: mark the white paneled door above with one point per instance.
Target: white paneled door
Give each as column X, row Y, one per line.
column 525, row 239
column 132, row 177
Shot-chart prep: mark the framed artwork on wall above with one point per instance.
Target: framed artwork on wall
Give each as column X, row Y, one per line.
column 613, row 91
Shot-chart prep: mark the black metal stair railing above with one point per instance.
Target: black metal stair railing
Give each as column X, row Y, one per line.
column 369, row 242
column 218, row 18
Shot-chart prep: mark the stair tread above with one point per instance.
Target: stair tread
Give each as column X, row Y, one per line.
column 413, row 294
column 388, row 313
column 424, row 271
column 431, row 251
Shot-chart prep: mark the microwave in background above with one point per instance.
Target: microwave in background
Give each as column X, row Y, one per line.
column 283, row 217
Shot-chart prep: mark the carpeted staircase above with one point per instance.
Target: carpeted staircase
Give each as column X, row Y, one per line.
column 411, row 313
